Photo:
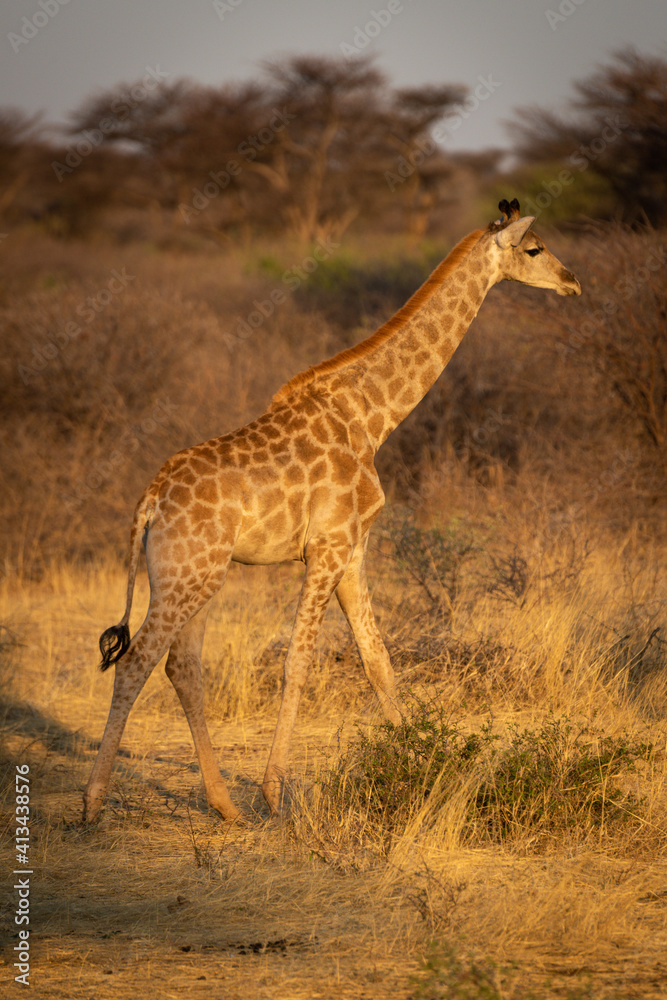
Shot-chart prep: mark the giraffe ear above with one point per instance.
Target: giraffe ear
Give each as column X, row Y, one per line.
column 513, row 234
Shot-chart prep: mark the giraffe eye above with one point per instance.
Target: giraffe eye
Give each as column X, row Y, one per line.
column 534, row 252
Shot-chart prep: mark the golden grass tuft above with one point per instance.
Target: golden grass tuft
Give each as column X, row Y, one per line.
column 160, row 893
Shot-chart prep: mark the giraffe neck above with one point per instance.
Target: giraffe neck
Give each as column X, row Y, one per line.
column 393, row 377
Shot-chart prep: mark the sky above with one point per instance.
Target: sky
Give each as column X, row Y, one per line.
column 511, row 53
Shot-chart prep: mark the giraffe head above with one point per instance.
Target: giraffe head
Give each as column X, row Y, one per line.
column 522, row 255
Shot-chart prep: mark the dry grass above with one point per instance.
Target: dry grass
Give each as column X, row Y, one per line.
column 160, row 894
column 521, row 581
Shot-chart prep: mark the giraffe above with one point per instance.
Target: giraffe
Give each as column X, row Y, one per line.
column 298, row 483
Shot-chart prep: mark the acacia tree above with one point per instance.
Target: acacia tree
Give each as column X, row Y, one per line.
column 617, row 129
column 419, row 169
column 307, row 147
column 346, row 129
column 21, row 156
column 148, row 125
column 325, row 148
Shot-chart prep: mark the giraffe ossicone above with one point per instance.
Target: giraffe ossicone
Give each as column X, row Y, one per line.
column 298, row 483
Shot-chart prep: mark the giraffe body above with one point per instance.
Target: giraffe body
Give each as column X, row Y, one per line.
column 298, row 483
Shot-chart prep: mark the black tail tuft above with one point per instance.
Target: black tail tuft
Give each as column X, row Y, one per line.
column 113, row 643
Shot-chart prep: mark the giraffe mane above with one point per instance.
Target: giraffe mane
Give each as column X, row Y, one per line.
column 352, row 354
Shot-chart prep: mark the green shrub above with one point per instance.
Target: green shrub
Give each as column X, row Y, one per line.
column 392, row 771
column 555, row 779
column 446, row 974
column 449, row 975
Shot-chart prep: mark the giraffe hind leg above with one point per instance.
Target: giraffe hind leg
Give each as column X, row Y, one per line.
column 184, row 671
column 131, row 673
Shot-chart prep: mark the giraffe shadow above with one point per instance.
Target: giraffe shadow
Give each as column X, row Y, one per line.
column 27, row 734
column 29, row 723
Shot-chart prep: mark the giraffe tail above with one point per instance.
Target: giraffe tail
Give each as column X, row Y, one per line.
column 115, row 641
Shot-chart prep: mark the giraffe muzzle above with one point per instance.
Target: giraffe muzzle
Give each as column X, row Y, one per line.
column 570, row 285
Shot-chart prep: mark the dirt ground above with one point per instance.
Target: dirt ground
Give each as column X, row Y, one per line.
column 161, row 899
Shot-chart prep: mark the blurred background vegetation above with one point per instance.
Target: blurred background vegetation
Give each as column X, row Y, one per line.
column 168, row 261
column 138, row 242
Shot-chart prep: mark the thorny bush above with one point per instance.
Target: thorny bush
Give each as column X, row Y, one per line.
column 560, row 777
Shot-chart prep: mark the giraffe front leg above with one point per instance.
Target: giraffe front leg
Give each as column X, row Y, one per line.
column 355, row 601
column 325, row 566
column 184, row 671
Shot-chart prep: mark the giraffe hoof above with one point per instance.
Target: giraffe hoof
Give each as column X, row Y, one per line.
column 238, row 820
column 228, row 817
column 92, row 810
column 221, row 803
column 274, row 795
column 88, row 824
